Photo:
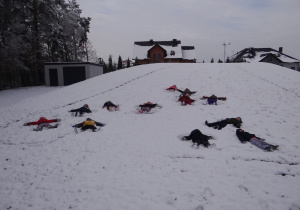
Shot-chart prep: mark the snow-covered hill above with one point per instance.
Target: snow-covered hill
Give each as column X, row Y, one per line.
column 137, row 162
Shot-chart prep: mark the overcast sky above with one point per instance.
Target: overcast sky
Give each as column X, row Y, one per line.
column 205, row 24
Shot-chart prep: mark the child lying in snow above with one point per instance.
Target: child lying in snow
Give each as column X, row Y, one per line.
column 146, row 107
column 198, row 138
column 81, row 110
column 249, row 137
column 43, row 122
column 88, row 124
column 110, row 106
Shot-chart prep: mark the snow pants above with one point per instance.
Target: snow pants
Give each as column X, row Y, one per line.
column 42, row 125
column 76, row 111
column 93, row 128
column 259, row 143
column 211, row 101
column 218, row 125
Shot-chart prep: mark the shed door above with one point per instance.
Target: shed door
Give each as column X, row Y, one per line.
column 53, row 77
column 73, row 74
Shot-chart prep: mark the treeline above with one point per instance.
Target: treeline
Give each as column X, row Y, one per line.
column 36, row 31
column 111, row 66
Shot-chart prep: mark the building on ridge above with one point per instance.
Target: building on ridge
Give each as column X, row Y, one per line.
column 267, row 55
column 145, row 52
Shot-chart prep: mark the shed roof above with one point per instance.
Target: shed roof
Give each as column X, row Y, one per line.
column 72, row 63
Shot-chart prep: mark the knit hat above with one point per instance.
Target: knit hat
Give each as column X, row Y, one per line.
column 241, row 119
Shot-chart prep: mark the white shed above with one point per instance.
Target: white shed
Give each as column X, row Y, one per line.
column 67, row 73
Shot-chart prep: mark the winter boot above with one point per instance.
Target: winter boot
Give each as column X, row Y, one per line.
column 184, row 138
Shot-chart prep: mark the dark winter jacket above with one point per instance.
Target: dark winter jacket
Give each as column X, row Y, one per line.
column 108, row 104
column 237, row 123
column 244, row 136
column 214, row 96
column 150, row 105
column 186, row 91
column 84, row 109
column 199, row 138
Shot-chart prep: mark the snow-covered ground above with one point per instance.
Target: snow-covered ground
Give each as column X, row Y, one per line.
column 137, row 162
column 11, row 96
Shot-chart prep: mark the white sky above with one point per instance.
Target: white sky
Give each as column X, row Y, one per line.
column 205, row 24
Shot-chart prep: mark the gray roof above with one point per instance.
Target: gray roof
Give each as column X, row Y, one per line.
column 257, row 54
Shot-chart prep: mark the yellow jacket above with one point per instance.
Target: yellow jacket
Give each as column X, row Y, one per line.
column 89, row 122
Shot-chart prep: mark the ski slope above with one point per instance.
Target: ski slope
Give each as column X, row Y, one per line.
column 137, row 162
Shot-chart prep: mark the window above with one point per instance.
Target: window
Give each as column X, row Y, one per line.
column 159, row 57
column 154, row 57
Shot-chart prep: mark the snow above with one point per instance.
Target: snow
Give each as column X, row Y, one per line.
column 136, row 161
column 11, row 96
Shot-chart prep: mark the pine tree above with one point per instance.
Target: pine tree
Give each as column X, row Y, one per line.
column 128, row 63
column 136, row 61
column 212, row 60
column 120, row 63
column 110, row 64
column 105, row 68
column 115, row 66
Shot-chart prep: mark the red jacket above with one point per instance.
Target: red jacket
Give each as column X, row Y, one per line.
column 186, row 99
column 172, row 87
column 42, row 120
